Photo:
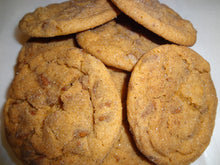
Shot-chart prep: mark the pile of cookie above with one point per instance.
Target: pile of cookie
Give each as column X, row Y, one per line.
column 109, row 82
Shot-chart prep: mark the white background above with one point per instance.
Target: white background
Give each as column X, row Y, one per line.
column 202, row 13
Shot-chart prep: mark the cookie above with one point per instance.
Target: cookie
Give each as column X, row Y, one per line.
column 171, row 105
column 120, row 78
column 62, row 108
column 36, row 46
column 124, row 151
column 160, row 19
column 115, row 44
column 67, row 17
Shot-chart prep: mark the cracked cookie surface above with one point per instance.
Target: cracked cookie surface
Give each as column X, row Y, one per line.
column 115, row 44
column 63, row 107
column 160, row 19
column 171, row 105
column 67, row 17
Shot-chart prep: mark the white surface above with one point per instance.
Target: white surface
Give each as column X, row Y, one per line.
column 202, row 13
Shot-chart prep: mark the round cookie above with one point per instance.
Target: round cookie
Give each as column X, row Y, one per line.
column 124, row 151
column 160, row 19
column 115, row 44
column 67, row 17
column 171, row 105
column 36, row 46
column 120, row 78
column 63, row 108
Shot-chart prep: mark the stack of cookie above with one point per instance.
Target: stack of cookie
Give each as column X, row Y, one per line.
column 109, row 82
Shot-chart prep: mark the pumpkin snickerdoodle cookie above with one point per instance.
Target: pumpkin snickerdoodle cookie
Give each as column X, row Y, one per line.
column 35, row 46
column 63, row 108
column 171, row 105
column 124, row 151
column 115, row 44
column 160, row 19
column 120, row 78
column 67, row 17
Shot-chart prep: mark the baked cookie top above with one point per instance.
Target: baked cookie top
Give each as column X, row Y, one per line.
column 63, row 108
column 35, row 46
column 67, row 17
column 115, row 44
column 120, row 78
column 160, row 19
column 124, row 151
column 171, row 105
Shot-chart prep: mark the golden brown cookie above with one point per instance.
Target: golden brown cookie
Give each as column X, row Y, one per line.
column 120, row 78
column 63, row 108
column 36, row 46
column 115, row 44
column 124, row 151
column 160, row 19
column 171, row 105
column 67, row 17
